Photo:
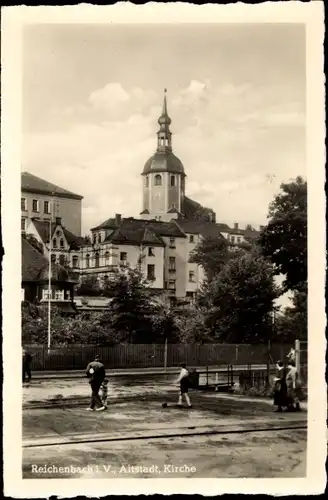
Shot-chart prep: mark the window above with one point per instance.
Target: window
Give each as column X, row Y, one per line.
column 232, row 239
column 46, row 295
column 59, row 294
column 54, row 243
column 150, row 272
column 172, row 242
column 191, row 238
column 62, row 260
column 53, row 258
column 238, row 239
column 23, row 224
column 99, row 238
column 61, row 243
column 158, row 180
column 151, row 252
column 46, row 207
column 106, row 258
column 58, row 234
column 171, row 285
column 75, row 261
column 172, row 180
column 147, row 181
column 192, row 276
column 123, row 256
column 87, row 260
column 171, row 263
column 35, row 205
column 23, row 203
column 94, row 238
column 97, row 259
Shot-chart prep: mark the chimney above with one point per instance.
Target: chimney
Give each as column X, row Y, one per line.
column 213, row 217
column 58, row 221
column 235, row 225
column 118, row 219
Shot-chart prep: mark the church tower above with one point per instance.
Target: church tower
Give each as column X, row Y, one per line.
column 163, row 176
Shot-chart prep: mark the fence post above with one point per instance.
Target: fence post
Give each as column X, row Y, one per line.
column 298, row 356
column 236, row 353
column 268, row 363
column 165, row 356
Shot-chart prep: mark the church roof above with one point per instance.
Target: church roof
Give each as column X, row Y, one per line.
column 33, row 184
column 137, row 231
column 192, row 210
column 35, row 266
column 164, row 161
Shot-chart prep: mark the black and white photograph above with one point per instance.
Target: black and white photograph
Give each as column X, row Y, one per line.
column 163, row 297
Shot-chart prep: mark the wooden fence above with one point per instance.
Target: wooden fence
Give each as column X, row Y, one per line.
column 75, row 357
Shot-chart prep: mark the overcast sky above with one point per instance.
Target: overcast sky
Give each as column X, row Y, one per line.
column 92, row 95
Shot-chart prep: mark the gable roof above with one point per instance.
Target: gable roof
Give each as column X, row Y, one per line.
column 35, row 266
column 33, row 184
column 43, row 228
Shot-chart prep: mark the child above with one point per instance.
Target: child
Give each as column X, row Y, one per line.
column 184, row 384
column 104, row 390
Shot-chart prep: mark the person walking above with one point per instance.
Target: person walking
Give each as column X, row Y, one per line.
column 280, row 387
column 104, row 392
column 184, row 385
column 96, row 374
column 293, row 387
column 26, row 361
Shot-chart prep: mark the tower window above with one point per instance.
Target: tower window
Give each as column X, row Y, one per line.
column 158, row 180
column 147, row 181
column 172, row 180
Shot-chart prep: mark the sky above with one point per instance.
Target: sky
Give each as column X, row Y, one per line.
column 92, row 95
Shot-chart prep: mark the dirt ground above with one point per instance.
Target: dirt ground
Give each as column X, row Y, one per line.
column 165, row 445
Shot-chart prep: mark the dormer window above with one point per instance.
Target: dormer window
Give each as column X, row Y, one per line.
column 158, row 180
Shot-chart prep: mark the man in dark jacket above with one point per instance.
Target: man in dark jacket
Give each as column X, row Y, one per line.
column 96, row 374
column 27, row 360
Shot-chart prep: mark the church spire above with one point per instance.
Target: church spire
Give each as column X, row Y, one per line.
column 164, row 134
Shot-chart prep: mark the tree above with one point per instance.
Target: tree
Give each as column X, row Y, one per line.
column 192, row 327
column 284, row 239
column 89, row 286
column 129, row 311
column 239, row 300
column 292, row 324
column 164, row 319
column 211, row 253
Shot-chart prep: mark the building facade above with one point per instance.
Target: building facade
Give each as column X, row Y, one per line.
column 170, row 227
column 45, row 201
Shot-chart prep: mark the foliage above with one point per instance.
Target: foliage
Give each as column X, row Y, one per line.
column 89, row 286
column 292, row 324
column 284, row 239
column 129, row 311
column 211, row 253
column 83, row 329
column 191, row 326
column 239, row 300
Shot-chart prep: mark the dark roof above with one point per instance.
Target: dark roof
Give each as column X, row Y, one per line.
column 247, row 233
column 193, row 210
column 206, row 229
column 35, row 266
column 108, row 224
column 163, row 161
column 138, row 231
column 129, row 234
column 43, row 228
column 33, row 184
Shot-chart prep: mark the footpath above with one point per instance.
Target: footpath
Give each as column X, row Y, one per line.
column 126, row 372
